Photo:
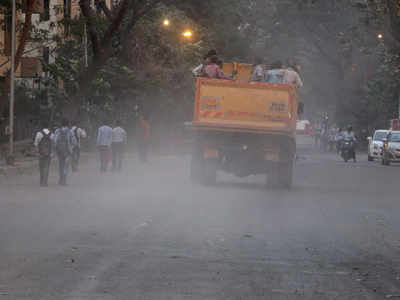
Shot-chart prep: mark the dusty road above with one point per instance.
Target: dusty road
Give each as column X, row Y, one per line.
column 148, row 233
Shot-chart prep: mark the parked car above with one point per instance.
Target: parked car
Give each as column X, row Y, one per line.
column 375, row 144
column 391, row 148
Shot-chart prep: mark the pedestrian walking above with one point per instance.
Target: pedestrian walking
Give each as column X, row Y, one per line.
column 44, row 144
column 104, row 142
column 316, row 131
column 143, row 138
column 79, row 134
column 119, row 139
column 64, row 143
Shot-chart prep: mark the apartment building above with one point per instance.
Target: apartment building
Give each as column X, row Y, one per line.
column 47, row 16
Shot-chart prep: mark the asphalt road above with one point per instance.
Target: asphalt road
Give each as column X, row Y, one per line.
column 148, row 233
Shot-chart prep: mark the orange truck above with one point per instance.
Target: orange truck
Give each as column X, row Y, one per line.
column 244, row 128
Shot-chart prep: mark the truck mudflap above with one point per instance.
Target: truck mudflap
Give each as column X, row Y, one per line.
column 244, row 154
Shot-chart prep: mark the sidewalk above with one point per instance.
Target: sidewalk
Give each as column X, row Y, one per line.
column 30, row 165
column 25, row 159
column 23, row 165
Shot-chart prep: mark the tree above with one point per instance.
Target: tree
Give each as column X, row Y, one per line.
column 23, row 38
column 394, row 14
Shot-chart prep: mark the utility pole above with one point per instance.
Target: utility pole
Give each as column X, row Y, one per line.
column 12, row 78
column 85, row 45
column 399, row 108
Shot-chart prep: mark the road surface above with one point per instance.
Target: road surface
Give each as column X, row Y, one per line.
column 148, row 233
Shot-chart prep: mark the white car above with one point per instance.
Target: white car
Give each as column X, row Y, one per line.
column 375, row 144
column 391, row 148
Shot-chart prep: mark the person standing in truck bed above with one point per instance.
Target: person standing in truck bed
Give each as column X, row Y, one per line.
column 213, row 70
column 275, row 75
column 292, row 77
column 199, row 70
column 259, row 71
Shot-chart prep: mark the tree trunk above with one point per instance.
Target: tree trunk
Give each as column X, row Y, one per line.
column 394, row 13
column 18, row 55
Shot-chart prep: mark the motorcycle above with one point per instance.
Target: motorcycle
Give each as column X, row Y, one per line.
column 347, row 151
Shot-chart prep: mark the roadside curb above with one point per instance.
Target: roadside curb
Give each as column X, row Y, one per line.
column 11, row 171
column 32, row 166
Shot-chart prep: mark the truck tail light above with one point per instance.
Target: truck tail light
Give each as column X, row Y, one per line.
column 308, row 129
column 210, row 153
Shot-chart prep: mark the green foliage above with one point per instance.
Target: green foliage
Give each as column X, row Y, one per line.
column 383, row 91
column 151, row 66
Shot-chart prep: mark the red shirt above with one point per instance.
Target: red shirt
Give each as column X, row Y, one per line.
column 145, row 129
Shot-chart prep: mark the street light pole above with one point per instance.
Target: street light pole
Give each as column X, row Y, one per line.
column 85, row 42
column 12, row 78
column 399, row 107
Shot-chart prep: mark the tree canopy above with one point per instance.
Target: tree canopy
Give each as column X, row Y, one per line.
column 347, row 49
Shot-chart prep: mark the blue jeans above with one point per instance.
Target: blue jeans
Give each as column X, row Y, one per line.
column 63, row 164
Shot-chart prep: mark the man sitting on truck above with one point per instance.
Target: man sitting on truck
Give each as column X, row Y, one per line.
column 259, row 70
column 213, row 70
column 275, row 75
column 199, row 70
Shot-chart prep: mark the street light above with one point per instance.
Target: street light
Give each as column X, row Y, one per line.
column 187, row 34
column 380, row 36
column 166, row 22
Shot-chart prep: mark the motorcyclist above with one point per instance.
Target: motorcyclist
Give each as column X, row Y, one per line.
column 338, row 140
column 349, row 135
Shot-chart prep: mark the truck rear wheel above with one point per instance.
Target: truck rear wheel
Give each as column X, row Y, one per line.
column 210, row 172
column 273, row 177
column 281, row 175
column 286, row 174
column 196, row 169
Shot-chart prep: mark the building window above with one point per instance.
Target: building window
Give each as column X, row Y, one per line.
column 67, row 9
column 37, row 8
column 30, row 66
column 67, row 16
column 23, row 6
column 7, row 34
column 45, row 15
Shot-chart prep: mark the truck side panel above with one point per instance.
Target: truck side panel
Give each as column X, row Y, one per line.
column 270, row 107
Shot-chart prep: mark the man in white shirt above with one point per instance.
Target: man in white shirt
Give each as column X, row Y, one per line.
column 259, row 71
column 79, row 134
column 292, row 77
column 44, row 140
column 104, row 141
column 119, row 140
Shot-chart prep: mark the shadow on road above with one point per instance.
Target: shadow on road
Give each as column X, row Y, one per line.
column 241, row 185
column 251, row 186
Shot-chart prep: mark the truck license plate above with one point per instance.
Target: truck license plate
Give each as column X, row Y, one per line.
column 210, row 153
column 270, row 156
